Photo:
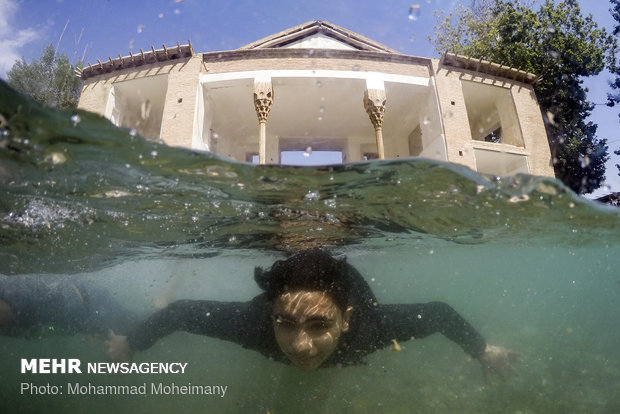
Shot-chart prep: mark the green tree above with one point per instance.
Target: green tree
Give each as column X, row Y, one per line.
column 614, row 98
column 557, row 43
column 51, row 80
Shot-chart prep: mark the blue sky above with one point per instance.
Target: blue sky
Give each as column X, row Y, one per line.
column 98, row 29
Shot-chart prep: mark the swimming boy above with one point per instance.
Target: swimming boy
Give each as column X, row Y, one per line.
column 316, row 311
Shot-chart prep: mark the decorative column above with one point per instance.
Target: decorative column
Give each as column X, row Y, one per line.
column 263, row 99
column 374, row 103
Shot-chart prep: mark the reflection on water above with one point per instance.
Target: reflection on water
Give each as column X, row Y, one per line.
column 531, row 265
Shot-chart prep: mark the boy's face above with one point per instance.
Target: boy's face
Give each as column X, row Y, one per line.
column 307, row 326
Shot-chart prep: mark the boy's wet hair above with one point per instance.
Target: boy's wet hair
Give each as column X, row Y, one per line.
column 313, row 269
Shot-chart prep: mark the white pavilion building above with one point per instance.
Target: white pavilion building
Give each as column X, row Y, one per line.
column 323, row 87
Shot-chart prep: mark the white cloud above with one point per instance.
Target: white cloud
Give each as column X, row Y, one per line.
column 12, row 39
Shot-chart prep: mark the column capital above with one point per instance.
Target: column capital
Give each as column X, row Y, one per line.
column 374, row 103
column 263, row 99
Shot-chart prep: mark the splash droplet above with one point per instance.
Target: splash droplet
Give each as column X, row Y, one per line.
column 414, row 12
column 75, row 119
column 308, row 151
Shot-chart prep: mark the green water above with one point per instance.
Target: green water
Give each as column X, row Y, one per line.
column 530, row 264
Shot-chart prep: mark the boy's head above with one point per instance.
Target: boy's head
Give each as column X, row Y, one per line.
column 311, row 307
column 312, row 269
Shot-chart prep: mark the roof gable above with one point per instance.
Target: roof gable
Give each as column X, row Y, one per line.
column 318, row 41
column 319, row 35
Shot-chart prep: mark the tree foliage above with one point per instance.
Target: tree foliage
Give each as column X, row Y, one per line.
column 614, row 98
column 557, row 43
column 50, row 80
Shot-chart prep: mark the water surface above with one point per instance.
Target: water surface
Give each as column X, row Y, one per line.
column 532, row 265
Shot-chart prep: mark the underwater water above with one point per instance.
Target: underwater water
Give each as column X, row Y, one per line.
column 531, row 265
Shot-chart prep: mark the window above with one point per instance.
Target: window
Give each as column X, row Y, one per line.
column 500, row 163
column 251, row 157
column 492, row 114
column 139, row 104
column 310, row 157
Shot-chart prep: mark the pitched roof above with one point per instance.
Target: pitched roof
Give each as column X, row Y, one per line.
column 150, row 56
column 484, row 66
column 314, row 28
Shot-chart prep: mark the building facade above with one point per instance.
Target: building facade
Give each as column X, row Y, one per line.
column 320, row 87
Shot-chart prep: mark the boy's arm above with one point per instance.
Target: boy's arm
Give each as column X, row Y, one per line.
column 231, row 321
column 404, row 322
